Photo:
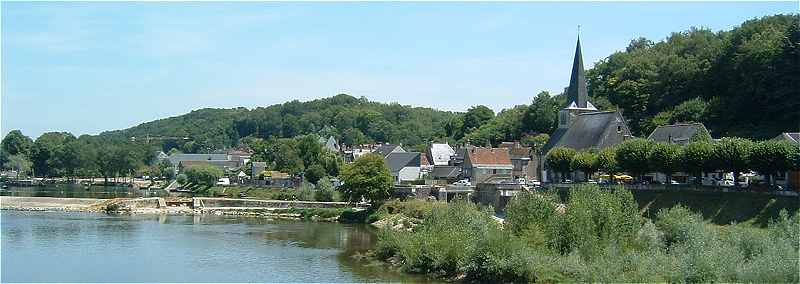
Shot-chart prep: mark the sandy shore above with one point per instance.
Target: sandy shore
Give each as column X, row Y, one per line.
column 51, row 203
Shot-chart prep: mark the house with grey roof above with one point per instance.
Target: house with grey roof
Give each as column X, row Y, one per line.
column 403, row 166
column 330, row 144
column 222, row 161
column 790, row 179
column 385, row 149
column 680, row 133
column 580, row 125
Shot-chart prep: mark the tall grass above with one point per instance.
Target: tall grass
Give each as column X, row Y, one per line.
column 600, row 236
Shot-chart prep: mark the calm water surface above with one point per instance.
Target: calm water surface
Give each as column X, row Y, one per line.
column 88, row 247
column 77, row 191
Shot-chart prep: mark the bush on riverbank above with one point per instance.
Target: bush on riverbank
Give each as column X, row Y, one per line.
column 599, row 236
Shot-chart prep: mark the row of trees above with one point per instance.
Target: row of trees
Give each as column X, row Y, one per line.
column 61, row 154
column 641, row 156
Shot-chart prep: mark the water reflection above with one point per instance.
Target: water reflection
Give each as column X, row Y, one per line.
column 77, row 191
column 161, row 248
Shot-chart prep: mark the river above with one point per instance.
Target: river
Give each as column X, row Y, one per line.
column 90, row 247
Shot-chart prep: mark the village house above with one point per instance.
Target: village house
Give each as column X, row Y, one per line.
column 330, row 144
column 221, row 161
column 385, row 149
column 523, row 160
column 580, row 125
column 487, row 165
column 404, row 166
column 681, row 134
column 790, row 179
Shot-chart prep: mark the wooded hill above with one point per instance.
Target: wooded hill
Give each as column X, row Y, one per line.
column 744, row 82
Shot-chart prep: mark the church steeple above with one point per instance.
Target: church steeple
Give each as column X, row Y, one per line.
column 577, row 94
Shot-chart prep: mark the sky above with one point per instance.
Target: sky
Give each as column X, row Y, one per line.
column 88, row 67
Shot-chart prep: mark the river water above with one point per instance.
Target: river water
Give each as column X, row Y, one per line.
column 90, row 247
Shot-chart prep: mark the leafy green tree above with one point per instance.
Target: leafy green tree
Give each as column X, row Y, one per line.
column 693, row 110
column 367, row 178
column 665, row 158
column 475, row 117
column 794, row 158
column 771, row 157
column 16, row 143
column 559, row 160
column 633, row 155
column 309, row 149
column 541, row 116
column 354, row 137
column 182, row 179
column 324, row 192
column 586, row 162
column 607, row 161
column 314, row 173
column 203, row 175
column 43, row 152
column 18, row 163
column 733, row 155
column 696, row 158
column 535, row 142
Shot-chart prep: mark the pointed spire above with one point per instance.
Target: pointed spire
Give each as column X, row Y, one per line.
column 576, row 92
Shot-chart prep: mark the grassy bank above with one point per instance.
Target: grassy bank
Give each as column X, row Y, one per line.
column 719, row 207
column 303, row 193
column 600, row 236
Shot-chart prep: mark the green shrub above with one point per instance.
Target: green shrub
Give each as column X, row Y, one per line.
column 677, row 223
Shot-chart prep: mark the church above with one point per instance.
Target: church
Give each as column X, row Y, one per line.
column 580, row 125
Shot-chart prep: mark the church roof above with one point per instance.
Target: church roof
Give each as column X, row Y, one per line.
column 590, row 130
column 577, row 94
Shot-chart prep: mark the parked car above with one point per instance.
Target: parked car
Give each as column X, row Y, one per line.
column 673, row 182
column 725, row 182
column 462, row 182
column 521, row 181
column 534, row 182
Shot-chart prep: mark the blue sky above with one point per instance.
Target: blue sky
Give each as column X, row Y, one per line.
column 88, row 67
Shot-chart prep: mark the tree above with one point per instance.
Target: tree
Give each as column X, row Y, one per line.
column 693, row 110
column 203, row 175
column 309, row 149
column 314, row 173
column 367, row 178
column 733, row 155
column 535, row 142
column 559, row 160
column 181, row 179
column 16, row 143
column 353, row 137
column 771, row 157
column 324, row 192
column 665, row 158
column 607, row 162
column 541, row 115
column 476, row 116
column 586, row 162
column 18, row 163
column 632, row 156
column 696, row 158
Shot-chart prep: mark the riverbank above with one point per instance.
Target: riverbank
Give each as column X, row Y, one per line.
column 274, row 209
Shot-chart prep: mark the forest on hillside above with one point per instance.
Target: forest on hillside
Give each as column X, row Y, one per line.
column 742, row 82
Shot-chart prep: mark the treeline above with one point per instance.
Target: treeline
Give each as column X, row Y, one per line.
column 641, row 156
column 61, row 154
column 744, row 82
column 595, row 236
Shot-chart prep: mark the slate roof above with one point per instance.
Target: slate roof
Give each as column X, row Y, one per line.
column 793, row 137
column 577, row 94
column 680, row 133
column 396, row 161
column 589, row 130
column 445, row 172
column 385, row 149
column 440, row 154
column 177, row 158
column 488, row 157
